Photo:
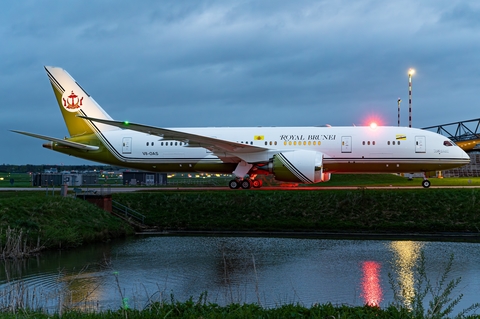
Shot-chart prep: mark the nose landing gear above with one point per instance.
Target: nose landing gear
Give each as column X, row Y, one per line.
column 425, row 182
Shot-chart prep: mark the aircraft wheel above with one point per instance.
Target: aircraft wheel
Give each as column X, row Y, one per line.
column 256, row 183
column 426, row 183
column 233, row 184
column 245, row 184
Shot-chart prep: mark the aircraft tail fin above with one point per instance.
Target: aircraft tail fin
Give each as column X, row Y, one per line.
column 73, row 100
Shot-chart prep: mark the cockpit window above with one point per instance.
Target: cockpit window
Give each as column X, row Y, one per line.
column 447, row 143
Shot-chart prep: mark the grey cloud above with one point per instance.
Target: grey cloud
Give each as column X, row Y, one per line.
column 239, row 63
column 464, row 14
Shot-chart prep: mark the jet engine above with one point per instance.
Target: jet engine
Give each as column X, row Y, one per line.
column 301, row 166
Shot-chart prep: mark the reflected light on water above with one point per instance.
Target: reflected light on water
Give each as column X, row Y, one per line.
column 371, row 289
column 406, row 256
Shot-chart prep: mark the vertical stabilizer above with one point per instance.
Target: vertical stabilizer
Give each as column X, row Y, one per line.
column 73, row 100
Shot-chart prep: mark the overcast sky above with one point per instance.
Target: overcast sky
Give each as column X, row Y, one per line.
column 236, row 63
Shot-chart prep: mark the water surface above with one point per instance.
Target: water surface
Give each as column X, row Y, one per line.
column 268, row 271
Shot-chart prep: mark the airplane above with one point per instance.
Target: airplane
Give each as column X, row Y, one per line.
column 303, row 155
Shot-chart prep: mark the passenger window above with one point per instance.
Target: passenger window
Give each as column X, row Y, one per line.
column 147, row 143
column 368, row 142
column 373, row 143
column 388, row 142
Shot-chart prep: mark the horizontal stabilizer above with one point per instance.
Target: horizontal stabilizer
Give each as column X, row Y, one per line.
column 60, row 141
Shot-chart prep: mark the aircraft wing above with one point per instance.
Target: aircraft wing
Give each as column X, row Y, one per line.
column 193, row 140
column 60, row 141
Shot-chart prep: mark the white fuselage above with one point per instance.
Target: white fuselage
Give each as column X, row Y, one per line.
column 345, row 149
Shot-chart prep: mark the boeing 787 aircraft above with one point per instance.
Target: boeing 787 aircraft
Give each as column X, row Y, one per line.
column 291, row 154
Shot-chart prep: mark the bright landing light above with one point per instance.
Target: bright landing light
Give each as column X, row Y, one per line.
column 373, row 125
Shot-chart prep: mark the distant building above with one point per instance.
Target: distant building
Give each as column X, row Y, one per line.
column 470, row 170
column 58, row 179
column 144, row 178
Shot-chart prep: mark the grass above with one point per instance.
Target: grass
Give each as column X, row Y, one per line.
column 19, row 179
column 59, row 222
column 191, row 309
column 358, row 180
column 361, row 210
column 65, row 222
column 395, row 180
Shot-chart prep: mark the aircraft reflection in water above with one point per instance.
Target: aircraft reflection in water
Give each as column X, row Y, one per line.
column 371, row 288
column 406, row 256
column 69, row 278
column 268, row 271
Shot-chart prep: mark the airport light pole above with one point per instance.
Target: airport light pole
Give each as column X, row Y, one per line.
column 399, row 101
column 410, row 73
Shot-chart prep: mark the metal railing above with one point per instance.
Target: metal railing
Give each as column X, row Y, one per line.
column 128, row 212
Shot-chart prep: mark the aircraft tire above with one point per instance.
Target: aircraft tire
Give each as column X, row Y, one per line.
column 426, row 183
column 233, row 184
column 246, row 184
column 256, row 183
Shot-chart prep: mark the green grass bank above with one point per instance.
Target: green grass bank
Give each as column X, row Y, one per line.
column 360, row 210
column 58, row 222
column 68, row 222
column 193, row 310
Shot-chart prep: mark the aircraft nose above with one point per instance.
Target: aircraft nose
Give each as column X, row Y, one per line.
column 464, row 155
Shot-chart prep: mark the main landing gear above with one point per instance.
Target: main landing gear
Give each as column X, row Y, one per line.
column 245, row 183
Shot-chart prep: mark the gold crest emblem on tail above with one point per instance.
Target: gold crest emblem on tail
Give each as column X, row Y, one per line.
column 72, row 102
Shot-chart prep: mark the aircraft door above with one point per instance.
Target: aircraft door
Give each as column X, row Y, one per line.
column 346, row 144
column 127, row 145
column 420, row 146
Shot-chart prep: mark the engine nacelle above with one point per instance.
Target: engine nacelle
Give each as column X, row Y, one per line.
column 301, row 166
